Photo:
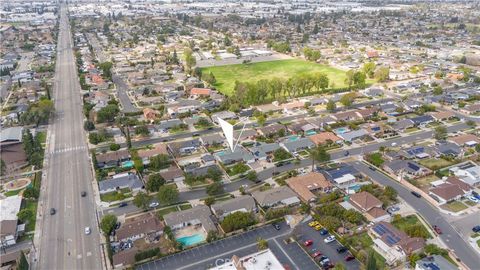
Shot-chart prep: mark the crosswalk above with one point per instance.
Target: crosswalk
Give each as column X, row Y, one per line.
column 67, row 149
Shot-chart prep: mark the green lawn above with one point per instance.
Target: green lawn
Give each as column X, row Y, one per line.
column 32, row 205
column 114, row 196
column 363, row 242
column 167, row 210
column 408, row 223
column 435, row 163
column 455, row 206
column 227, row 75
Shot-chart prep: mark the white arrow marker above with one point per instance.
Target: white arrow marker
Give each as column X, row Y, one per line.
column 227, row 129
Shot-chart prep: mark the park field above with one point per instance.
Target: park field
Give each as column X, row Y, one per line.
column 283, row 69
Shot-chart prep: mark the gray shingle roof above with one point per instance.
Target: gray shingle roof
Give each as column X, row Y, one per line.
column 128, row 180
column 242, row 202
column 199, row 212
column 11, row 134
column 273, row 195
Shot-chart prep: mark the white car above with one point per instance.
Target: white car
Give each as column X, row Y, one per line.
column 329, row 239
column 153, row 204
column 473, row 199
column 87, row 230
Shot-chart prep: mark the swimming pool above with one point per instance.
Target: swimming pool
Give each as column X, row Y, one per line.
column 310, row 132
column 191, row 240
column 127, row 164
column 293, row 138
column 341, row 130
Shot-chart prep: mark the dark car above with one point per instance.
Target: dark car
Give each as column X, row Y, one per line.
column 349, row 257
column 52, row 211
column 476, row 228
column 341, row 249
column 346, row 153
column 117, row 225
column 416, row 194
column 83, row 193
column 276, row 226
column 372, row 168
column 123, row 204
column 437, row 229
column 323, row 231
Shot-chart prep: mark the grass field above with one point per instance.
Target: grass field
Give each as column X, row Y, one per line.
column 227, row 75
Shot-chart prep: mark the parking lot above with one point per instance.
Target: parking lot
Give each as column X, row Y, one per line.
column 218, row 252
column 329, row 250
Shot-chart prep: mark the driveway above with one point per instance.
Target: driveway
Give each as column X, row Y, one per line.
column 218, row 252
column 329, row 250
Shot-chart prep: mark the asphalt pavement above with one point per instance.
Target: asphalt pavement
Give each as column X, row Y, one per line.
column 449, row 236
column 216, row 253
column 60, row 238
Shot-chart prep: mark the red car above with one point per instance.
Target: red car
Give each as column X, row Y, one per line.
column 308, row 243
column 316, row 254
column 349, row 257
column 437, row 229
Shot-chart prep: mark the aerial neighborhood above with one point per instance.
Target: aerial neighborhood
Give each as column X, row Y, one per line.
column 356, row 140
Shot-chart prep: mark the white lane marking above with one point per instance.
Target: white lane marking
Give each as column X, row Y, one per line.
column 89, row 254
column 79, row 256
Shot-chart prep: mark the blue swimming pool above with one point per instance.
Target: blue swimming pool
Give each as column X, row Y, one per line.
column 310, row 132
column 293, row 138
column 191, row 240
column 341, row 130
column 127, row 164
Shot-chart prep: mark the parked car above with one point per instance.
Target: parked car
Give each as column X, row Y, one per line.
column 372, row 168
column 349, row 257
column 52, row 211
column 123, row 204
column 153, row 204
column 473, row 199
column 276, row 226
column 316, row 254
column 87, row 230
column 323, row 231
column 341, row 249
column 476, row 229
column 329, row 239
column 437, row 229
column 308, row 243
column 416, row 194
column 83, row 193
column 313, row 223
column 323, row 258
column 393, row 209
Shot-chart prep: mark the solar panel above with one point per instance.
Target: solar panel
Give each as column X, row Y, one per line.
column 431, row 266
column 413, row 166
column 391, row 240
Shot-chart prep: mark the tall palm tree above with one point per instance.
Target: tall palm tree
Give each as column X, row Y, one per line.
column 319, row 154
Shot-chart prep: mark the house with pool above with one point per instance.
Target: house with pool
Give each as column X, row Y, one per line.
column 191, row 226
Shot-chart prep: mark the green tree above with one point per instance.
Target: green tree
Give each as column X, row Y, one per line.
column 155, row 181
column 437, row 90
column 252, row 176
column 319, row 154
column 347, row 99
column 261, row 120
column 23, row 264
column 88, row 125
column 114, row 147
column 167, row 194
column 25, row 215
column 262, row 244
column 138, row 164
column 214, row 189
column 382, row 74
column 106, row 68
column 359, row 78
column 371, row 261
column 3, row 167
column 159, row 162
column 107, row 223
column 349, row 77
column 471, row 123
column 331, row 105
column 369, row 69
column 141, row 200
column 212, row 236
column 31, row 193
column 209, row 200
column 107, row 113
column 190, row 60
column 441, row 133
column 339, row 266
column 142, row 130
column 237, row 220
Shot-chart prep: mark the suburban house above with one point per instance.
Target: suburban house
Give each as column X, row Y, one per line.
column 126, row 180
column 172, row 174
column 468, row 140
column 471, row 109
column 295, row 146
column 9, row 228
column 353, row 135
column 239, row 155
column 146, row 154
column 124, row 258
column 342, row 176
column 243, row 203
column 262, row 150
column 467, row 172
column 402, row 168
column 393, row 244
column 325, row 137
column 306, row 185
column 112, row 159
column 200, row 92
column 212, row 139
column 150, row 114
column 348, row 116
column 442, row 116
column 434, row 262
column 271, row 130
column 370, row 206
column 11, row 148
column 422, row 120
column 199, row 215
column 276, row 197
column 448, row 149
column 225, row 115
column 146, row 225
column 165, row 125
column 183, row 147
column 403, row 124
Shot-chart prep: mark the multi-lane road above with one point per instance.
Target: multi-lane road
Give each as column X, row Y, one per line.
column 61, row 239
